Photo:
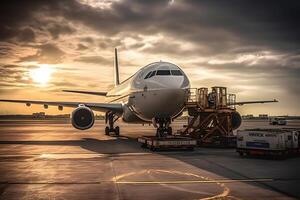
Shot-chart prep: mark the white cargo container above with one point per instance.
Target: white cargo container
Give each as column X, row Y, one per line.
column 267, row 141
column 277, row 121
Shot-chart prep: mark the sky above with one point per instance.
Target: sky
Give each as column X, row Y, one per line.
column 250, row 47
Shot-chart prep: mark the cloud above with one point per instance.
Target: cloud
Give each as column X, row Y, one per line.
column 26, row 35
column 81, row 47
column 5, row 49
column 218, row 26
column 56, row 30
column 14, row 75
column 15, row 15
column 94, row 59
column 220, row 23
column 46, row 53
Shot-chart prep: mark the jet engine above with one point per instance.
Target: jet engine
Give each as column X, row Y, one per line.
column 83, row 118
column 236, row 120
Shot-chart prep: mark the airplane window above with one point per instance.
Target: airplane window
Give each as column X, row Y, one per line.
column 163, row 72
column 176, row 72
column 148, row 75
column 152, row 74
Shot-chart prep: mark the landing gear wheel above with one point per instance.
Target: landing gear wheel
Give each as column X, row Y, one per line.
column 161, row 132
column 110, row 119
column 107, row 130
column 169, row 130
column 157, row 132
column 163, row 129
column 117, row 131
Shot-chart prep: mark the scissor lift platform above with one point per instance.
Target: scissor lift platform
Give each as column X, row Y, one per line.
column 212, row 117
column 167, row 143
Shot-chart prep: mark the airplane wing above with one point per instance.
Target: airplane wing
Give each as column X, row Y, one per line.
column 87, row 92
column 251, row 102
column 103, row 107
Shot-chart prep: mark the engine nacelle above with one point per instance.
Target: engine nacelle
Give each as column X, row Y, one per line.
column 83, row 118
column 236, row 120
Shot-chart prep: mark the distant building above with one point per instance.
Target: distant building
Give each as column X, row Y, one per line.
column 263, row 116
column 39, row 115
column 63, row 116
column 248, row 116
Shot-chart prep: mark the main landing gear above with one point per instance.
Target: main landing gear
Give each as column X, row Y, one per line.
column 111, row 118
column 164, row 129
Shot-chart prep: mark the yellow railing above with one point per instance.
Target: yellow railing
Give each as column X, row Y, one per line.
column 217, row 98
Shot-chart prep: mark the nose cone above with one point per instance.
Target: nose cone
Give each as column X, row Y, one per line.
column 172, row 82
column 176, row 82
column 159, row 103
column 169, row 82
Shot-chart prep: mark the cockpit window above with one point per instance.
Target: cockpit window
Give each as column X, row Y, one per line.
column 147, row 76
column 163, row 72
column 176, row 72
column 152, row 74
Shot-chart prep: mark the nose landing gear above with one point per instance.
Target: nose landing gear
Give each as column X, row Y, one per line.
column 164, row 128
column 111, row 118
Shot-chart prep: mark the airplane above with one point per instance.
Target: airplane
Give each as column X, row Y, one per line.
column 154, row 94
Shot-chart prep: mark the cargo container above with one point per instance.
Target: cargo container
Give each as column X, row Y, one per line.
column 167, row 143
column 279, row 142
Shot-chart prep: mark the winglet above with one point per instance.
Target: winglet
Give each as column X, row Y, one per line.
column 117, row 79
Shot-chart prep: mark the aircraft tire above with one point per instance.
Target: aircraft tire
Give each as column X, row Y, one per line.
column 107, row 130
column 117, row 131
column 170, row 130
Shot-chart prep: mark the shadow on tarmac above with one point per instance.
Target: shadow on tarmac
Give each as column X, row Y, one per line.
column 111, row 146
column 211, row 162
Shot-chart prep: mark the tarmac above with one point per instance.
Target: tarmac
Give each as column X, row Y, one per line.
column 52, row 160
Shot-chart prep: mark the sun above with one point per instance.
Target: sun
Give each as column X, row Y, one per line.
column 42, row 74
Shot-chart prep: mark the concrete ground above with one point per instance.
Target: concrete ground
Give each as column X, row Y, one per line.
column 52, row 160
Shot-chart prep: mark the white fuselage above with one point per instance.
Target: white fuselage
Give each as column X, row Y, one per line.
column 157, row 90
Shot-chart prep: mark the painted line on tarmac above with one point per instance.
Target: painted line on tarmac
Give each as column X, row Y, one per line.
column 196, row 181
column 38, row 154
column 53, row 183
column 73, row 155
column 66, row 156
column 141, row 182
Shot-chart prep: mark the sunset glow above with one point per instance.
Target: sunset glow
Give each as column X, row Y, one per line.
column 41, row 75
